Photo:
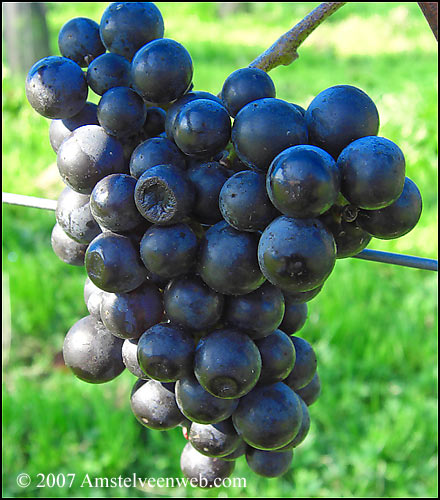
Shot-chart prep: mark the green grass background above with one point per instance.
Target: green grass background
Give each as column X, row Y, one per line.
column 374, row 429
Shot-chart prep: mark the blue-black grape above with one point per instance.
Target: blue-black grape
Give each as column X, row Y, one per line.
column 154, row 405
column 127, row 26
column 74, row 216
column 121, row 112
column 268, row 463
column 155, row 151
column 297, row 255
column 372, row 172
column 56, row 87
column 228, row 260
column 396, row 219
column 305, row 364
column 61, row 129
column 164, row 195
column 214, row 440
column 338, row 116
column 199, row 405
column 175, row 107
column 113, row 263
column 244, row 203
column 258, row 313
column 350, row 238
column 68, row 250
column 202, row 128
column 79, row 40
column 128, row 315
column 169, row 251
column 227, row 363
column 268, row 417
column 303, row 181
column 264, row 128
column 107, row 71
column 129, row 357
column 246, row 85
column 92, row 352
column 303, row 430
column 155, row 122
column 87, row 156
column 165, row 352
column 112, row 203
column 190, row 303
column 204, row 471
column 162, row 71
column 208, row 179
column 277, row 357
column 295, row 316
column 310, row 392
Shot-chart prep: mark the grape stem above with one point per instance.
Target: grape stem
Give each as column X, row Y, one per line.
column 29, row 201
column 285, row 50
column 430, row 11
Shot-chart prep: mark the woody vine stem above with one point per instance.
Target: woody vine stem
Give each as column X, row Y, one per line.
column 285, row 50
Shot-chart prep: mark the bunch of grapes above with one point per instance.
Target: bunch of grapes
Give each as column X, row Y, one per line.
column 206, row 224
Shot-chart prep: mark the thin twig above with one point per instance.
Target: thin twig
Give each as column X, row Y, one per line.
column 430, row 11
column 29, row 201
column 398, row 259
column 284, row 50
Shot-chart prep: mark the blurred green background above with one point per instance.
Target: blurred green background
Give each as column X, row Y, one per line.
column 374, row 429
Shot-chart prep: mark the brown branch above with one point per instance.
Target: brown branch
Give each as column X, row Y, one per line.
column 430, row 11
column 284, row 50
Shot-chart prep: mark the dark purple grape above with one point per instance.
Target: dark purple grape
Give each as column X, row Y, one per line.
column 277, row 357
column 113, row 263
column 305, row 364
column 189, row 302
column 127, row 26
column 56, row 87
column 87, row 156
column 396, row 219
column 227, row 363
column 338, row 116
column 310, row 392
column 296, row 255
column 128, row 315
column 79, row 40
column 204, row 471
column 68, row 250
column 92, row 352
column 214, row 440
column 154, row 405
column 264, row 128
column 246, row 85
column 199, row 405
column 258, row 313
column 165, row 352
column 228, row 260
column 162, row 70
column 268, row 417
